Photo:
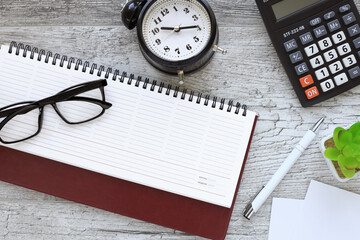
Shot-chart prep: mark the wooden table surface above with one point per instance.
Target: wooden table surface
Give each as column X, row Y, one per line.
column 250, row 73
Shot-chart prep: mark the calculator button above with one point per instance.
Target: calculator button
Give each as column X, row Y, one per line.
column 322, row 73
column 312, row 93
column 357, row 43
column 336, row 67
column 329, row 15
column 306, row 38
column 306, row 81
column 315, row 22
column 327, row 85
column 330, row 55
column 296, row 57
column 301, row 69
column 354, row 30
column 290, row 45
column 354, row 72
column 325, row 43
column 339, row 37
column 320, row 31
column 349, row 18
column 344, row 49
column 344, row 8
column 334, row 25
column 341, row 79
column 311, row 50
column 316, row 62
column 349, row 61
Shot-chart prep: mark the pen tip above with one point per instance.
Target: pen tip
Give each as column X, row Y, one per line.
column 317, row 125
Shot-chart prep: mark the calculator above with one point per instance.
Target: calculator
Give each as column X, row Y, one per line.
column 318, row 43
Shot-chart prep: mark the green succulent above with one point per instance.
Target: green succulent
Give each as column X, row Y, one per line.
column 347, row 151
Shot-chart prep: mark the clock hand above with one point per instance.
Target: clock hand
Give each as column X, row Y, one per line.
column 189, row 27
column 167, row 28
column 178, row 28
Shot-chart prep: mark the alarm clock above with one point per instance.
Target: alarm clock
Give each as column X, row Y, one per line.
column 175, row 36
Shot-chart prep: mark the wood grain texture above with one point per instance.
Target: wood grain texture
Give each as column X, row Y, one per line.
column 250, row 73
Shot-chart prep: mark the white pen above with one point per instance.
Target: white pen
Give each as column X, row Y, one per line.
column 265, row 192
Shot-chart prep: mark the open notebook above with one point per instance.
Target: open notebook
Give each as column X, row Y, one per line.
column 153, row 135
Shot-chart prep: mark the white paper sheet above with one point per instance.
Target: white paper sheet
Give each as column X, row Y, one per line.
column 330, row 213
column 327, row 213
column 147, row 137
column 286, row 219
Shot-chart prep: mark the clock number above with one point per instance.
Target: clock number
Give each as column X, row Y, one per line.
column 175, row 9
column 177, row 51
column 157, row 21
column 155, row 31
column 158, row 41
column 196, row 39
column 165, row 12
column 188, row 47
column 167, row 49
column 195, row 18
column 186, row 10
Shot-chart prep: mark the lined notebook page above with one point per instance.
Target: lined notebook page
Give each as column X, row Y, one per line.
column 146, row 137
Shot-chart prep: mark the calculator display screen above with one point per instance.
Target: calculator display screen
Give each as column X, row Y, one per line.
column 287, row 7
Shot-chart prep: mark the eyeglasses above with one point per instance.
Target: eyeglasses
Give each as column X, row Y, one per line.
column 75, row 105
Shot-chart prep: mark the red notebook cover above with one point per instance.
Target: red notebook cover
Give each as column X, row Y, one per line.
column 116, row 195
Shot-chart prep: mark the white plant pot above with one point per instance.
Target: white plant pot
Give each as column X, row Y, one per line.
column 330, row 162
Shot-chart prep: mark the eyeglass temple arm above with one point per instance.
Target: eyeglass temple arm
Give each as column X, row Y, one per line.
column 11, row 111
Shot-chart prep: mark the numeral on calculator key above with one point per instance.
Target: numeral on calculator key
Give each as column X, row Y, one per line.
column 327, row 85
column 325, row 43
column 344, row 49
column 316, row 62
column 330, row 55
column 339, row 37
column 322, row 73
column 336, row 67
column 311, row 50
column 349, row 61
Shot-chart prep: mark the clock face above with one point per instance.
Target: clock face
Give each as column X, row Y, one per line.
column 176, row 30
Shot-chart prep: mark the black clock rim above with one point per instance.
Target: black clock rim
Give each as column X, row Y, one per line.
column 183, row 63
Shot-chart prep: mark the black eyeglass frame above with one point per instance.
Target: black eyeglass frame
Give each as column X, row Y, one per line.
column 69, row 94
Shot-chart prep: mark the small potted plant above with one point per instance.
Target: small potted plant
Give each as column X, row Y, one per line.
column 342, row 152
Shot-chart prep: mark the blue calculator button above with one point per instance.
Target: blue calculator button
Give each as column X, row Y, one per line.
column 296, row 57
column 354, row 30
column 301, row 69
column 354, row 72
column 290, row 45
column 349, row 18
column 344, row 8
column 329, row 15
column 334, row 25
column 357, row 43
column 320, row 31
column 315, row 21
column 306, row 38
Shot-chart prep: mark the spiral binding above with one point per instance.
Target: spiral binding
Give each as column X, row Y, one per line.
column 222, row 105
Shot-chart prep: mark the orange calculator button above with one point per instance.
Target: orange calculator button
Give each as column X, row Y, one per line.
column 312, row 93
column 306, row 81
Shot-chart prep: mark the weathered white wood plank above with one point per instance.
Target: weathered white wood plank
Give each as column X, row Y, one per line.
column 250, row 73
